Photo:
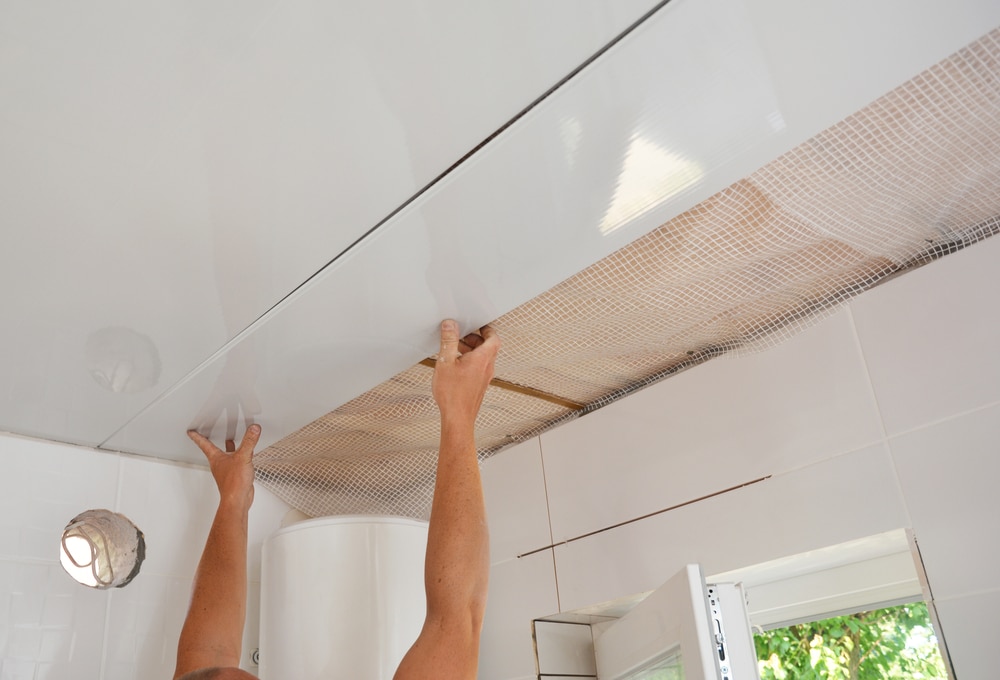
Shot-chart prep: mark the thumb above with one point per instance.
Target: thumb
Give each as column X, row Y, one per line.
column 449, row 340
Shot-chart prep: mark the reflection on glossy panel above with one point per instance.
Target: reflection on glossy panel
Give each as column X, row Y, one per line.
column 437, row 245
column 697, row 82
column 175, row 169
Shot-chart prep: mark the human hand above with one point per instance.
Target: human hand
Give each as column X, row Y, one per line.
column 232, row 469
column 463, row 372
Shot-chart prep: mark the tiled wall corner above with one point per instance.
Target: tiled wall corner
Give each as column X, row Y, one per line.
column 52, row 628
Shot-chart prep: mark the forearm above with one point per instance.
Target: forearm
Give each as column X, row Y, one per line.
column 456, row 571
column 213, row 631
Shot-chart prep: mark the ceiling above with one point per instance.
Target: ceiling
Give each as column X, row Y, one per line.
column 262, row 209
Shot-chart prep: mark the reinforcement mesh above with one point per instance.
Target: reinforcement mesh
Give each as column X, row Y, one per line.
column 376, row 454
column 911, row 177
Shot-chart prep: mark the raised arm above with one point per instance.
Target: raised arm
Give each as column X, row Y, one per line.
column 456, row 569
column 212, row 636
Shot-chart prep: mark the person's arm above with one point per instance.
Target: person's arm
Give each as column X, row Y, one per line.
column 212, row 635
column 456, row 569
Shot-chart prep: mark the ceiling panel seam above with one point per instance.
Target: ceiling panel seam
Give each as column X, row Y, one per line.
column 284, row 300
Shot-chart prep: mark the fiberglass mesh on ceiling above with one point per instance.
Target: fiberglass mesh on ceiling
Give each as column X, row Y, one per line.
column 377, row 453
column 909, row 178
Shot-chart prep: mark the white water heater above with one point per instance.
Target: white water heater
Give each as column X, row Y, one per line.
column 341, row 597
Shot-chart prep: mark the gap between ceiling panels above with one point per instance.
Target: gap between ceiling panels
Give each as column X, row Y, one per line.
column 904, row 181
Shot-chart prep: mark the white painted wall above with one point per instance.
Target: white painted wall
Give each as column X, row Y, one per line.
column 52, row 628
column 885, row 415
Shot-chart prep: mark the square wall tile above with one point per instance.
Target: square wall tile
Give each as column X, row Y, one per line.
column 43, row 486
column 56, row 671
column 930, row 338
column 58, row 611
column 971, row 628
column 516, row 508
column 26, row 608
column 24, row 642
column 50, row 620
column 851, row 496
column 948, row 473
column 122, row 624
column 159, row 615
column 565, row 649
column 119, row 671
column 56, row 645
column 521, row 590
column 173, row 505
column 715, row 426
column 17, row 669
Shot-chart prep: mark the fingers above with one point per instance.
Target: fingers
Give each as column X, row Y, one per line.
column 470, row 342
column 250, row 439
column 491, row 340
column 454, row 347
column 207, row 447
column 449, row 340
column 489, row 334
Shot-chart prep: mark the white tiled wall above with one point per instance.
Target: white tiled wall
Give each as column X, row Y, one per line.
column 722, row 424
column 520, row 590
column 524, row 588
column 52, row 628
column 885, row 415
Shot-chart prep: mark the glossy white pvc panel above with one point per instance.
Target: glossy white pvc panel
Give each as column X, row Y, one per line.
column 463, row 248
column 930, row 338
column 169, row 171
column 828, row 59
column 687, row 99
column 341, row 597
column 723, row 533
column 711, row 428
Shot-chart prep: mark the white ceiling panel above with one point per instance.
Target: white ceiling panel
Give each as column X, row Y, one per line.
column 171, row 170
column 532, row 207
column 699, row 96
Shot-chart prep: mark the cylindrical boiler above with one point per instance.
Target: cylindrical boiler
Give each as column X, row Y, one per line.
column 341, row 597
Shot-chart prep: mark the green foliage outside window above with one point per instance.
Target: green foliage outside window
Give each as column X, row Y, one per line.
column 896, row 643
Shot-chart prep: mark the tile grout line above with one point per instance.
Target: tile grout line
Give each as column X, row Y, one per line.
column 886, row 445
column 648, row 515
column 548, row 516
column 970, row 594
column 916, row 428
column 868, row 373
column 940, row 421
